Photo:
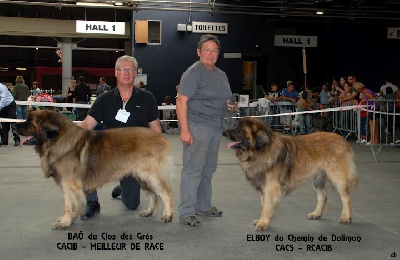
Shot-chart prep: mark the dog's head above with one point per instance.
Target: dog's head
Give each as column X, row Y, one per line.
column 249, row 134
column 40, row 127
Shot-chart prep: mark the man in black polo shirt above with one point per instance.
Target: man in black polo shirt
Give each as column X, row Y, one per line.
column 124, row 106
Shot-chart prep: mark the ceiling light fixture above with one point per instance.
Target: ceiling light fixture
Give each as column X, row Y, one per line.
column 320, row 12
column 92, row 4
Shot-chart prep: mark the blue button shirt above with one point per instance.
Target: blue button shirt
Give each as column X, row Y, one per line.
column 5, row 96
column 324, row 97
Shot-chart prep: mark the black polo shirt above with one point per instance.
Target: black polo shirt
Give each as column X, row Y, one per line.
column 142, row 105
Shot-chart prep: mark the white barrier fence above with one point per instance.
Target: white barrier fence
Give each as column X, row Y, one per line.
column 347, row 120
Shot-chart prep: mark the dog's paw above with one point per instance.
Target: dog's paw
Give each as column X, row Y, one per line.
column 344, row 220
column 146, row 213
column 59, row 226
column 260, row 225
column 313, row 216
column 166, row 219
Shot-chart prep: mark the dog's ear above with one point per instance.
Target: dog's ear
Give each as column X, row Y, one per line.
column 262, row 136
column 51, row 126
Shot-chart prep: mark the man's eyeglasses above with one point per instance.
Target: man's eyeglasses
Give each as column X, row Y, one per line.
column 126, row 70
column 210, row 50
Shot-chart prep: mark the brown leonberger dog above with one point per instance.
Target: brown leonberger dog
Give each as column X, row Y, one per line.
column 275, row 164
column 81, row 160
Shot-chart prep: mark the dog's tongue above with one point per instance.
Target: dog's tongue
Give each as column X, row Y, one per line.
column 21, row 143
column 230, row 144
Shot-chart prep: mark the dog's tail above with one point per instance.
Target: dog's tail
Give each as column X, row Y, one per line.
column 169, row 167
column 353, row 176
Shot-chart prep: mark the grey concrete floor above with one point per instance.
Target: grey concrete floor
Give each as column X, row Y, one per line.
column 29, row 204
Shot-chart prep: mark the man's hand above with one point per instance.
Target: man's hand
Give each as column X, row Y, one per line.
column 186, row 137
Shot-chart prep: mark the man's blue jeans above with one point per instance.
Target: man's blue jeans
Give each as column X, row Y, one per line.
column 305, row 122
column 21, row 112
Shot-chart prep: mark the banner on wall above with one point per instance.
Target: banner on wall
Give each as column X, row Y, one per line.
column 207, row 27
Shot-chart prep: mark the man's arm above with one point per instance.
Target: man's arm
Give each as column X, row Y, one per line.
column 181, row 112
column 155, row 125
column 3, row 93
column 89, row 123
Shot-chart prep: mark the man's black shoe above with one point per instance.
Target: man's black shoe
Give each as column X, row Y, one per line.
column 16, row 143
column 92, row 208
column 4, row 143
column 116, row 192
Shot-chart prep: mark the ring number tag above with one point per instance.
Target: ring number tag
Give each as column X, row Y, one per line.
column 122, row 115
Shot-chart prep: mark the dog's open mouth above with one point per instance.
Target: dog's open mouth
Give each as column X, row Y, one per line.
column 233, row 145
column 28, row 140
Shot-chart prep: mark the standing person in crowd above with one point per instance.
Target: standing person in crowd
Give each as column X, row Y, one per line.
column 325, row 96
column 363, row 119
column 82, row 95
column 204, row 93
column 389, row 107
column 274, row 95
column 336, row 87
column 35, row 90
column 8, row 109
column 388, row 83
column 352, row 80
column 290, row 95
column 21, row 93
column 372, row 116
column 103, row 87
column 348, row 98
column 307, row 102
column 124, row 106
column 349, row 95
column 70, row 93
column 325, row 101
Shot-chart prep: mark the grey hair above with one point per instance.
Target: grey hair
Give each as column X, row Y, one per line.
column 208, row 37
column 126, row 58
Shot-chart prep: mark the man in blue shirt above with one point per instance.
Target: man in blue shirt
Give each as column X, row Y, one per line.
column 290, row 95
column 8, row 109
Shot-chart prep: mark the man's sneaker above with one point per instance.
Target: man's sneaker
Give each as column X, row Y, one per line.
column 212, row 212
column 190, row 221
column 92, row 208
column 116, row 192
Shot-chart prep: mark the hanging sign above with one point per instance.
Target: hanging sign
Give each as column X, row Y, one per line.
column 295, row 41
column 100, row 27
column 205, row 27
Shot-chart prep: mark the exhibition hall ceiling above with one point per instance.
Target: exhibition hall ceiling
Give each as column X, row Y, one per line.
column 282, row 9
column 20, row 51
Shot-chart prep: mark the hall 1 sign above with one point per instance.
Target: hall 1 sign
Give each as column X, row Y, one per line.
column 205, row 27
column 295, row 41
column 100, row 27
